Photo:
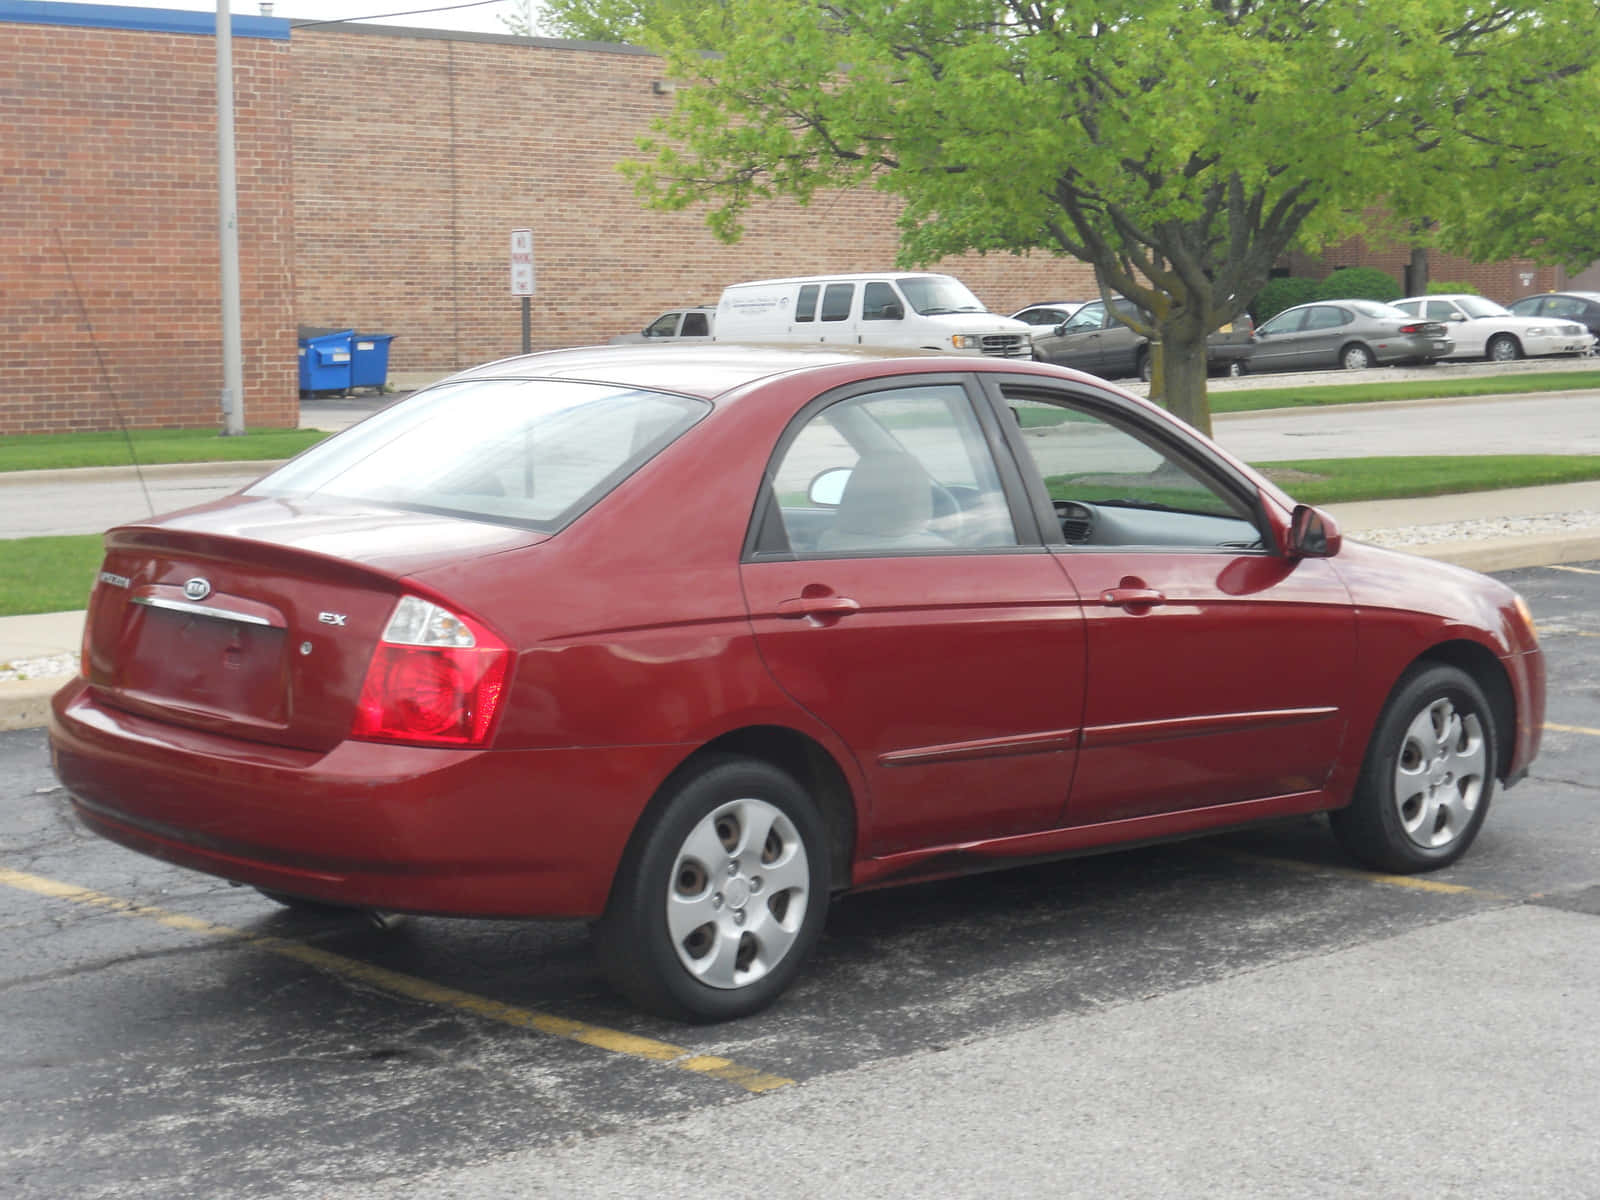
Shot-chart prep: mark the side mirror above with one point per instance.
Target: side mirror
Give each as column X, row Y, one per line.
column 1313, row 533
column 1060, row 329
column 827, row 489
column 1455, row 316
column 893, row 312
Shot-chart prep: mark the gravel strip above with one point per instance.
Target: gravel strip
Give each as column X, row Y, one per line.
column 51, row 666
column 1481, row 530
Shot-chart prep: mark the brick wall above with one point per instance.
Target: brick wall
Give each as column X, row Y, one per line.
column 109, row 261
column 380, row 171
column 416, row 154
column 1502, row 282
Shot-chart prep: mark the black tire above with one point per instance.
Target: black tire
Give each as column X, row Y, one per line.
column 1503, row 347
column 1141, row 366
column 770, row 855
column 1355, row 357
column 1428, row 778
column 1236, row 368
column 311, row 908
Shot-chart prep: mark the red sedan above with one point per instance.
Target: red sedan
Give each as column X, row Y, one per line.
column 686, row 640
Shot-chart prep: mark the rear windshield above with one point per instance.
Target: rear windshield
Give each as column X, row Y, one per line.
column 528, row 452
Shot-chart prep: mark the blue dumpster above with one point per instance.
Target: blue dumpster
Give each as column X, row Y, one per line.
column 324, row 359
column 369, row 360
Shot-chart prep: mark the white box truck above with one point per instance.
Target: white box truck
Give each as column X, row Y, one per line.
column 909, row 310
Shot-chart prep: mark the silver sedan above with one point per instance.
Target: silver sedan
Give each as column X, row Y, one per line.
column 1353, row 334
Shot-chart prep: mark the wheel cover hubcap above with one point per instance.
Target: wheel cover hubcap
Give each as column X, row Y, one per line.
column 1439, row 774
column 738, row 894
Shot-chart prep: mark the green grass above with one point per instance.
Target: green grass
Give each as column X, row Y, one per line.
column 53, row 574
column 1342, row 480
column 44, row 451
column 1444, row 388
column 47, row 574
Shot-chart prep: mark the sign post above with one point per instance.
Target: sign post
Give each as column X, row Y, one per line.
column 523, row 280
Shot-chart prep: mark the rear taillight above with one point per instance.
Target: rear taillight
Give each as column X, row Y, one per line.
column 436, row 679
column 1413, row 329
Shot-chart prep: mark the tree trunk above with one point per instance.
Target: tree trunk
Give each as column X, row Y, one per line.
column 1178, row 381
column 1417, row 272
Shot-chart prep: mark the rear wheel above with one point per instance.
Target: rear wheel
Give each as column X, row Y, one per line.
column 1236, row 368
column 1141, row 366
column 722, row 897
column 1428, row 777
column 1503, row 347
column 1355, row 357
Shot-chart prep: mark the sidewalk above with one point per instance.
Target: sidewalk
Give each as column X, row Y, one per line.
column 1487, row 531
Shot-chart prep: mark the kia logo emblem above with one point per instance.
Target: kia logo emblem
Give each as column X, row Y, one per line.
column 197, row 588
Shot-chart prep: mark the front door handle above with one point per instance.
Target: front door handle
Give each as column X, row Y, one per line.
column 828, row 605
column 1131, row 597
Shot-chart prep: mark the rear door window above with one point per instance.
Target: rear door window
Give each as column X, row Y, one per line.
column 836, row 301
column 805, row 308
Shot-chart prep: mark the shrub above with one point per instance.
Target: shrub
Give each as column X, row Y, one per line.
column 1359, row 283
column 1283, row 292
column 1443, row 287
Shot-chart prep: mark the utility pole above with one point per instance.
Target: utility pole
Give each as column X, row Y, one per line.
column 228, row 201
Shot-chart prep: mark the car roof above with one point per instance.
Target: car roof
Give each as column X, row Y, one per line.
column 706, row 369
column 855, row 277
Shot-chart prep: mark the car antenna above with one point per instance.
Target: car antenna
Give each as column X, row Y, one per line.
column 105, row 375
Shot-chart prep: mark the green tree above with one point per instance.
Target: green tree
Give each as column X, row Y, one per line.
column 1179, row 146
column 592, row 20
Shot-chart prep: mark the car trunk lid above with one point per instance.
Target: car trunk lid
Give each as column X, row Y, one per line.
column 238, row 620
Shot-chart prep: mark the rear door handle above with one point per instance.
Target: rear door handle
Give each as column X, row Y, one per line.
column 818, row 606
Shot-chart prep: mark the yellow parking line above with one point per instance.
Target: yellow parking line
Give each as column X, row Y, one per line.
column 1574, row 570
column 1572, row 729
column 413, row 988
column 1415, row 883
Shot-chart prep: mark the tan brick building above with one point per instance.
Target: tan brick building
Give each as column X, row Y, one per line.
column 380, row 172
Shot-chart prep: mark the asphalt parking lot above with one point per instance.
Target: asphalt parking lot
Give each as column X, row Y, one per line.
column 163, row 1034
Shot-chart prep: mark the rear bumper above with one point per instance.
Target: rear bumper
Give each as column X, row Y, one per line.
column 535, row 833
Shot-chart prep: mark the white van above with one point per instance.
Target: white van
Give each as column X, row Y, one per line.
column 910, row 310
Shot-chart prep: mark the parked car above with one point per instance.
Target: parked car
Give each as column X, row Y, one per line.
column 1481, row 328
column 1583, row 307
column 686, row 640
column 1093, row 339
column 1353, row 334
column 1047, row 312
column 904, row 310
column 679, row 325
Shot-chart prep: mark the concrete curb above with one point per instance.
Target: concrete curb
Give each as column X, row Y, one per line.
column 25, row 703
column 153, row 471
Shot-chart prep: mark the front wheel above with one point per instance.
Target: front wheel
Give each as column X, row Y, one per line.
column 1355, row 358
column 722, row 896
column 1503, row 348
column 1428, row 777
